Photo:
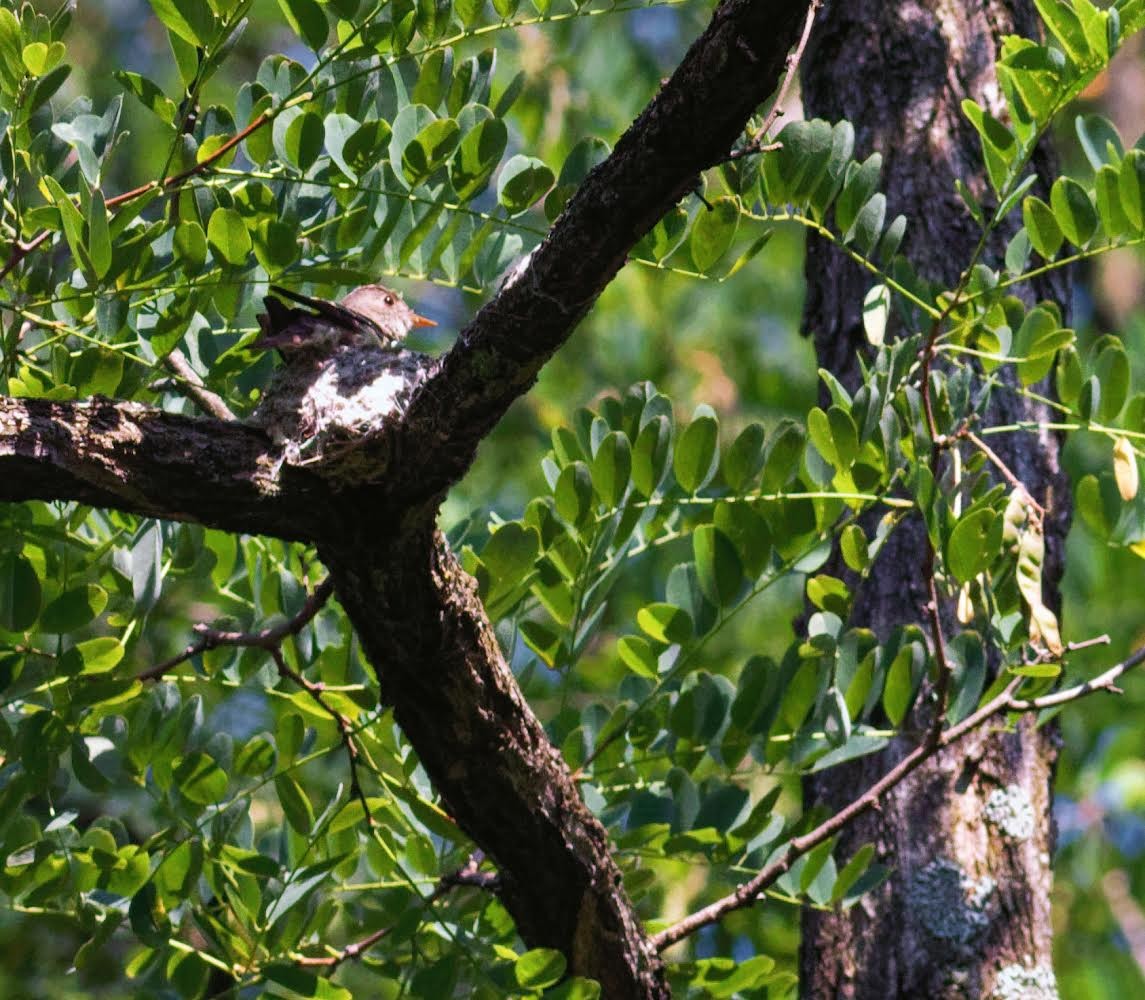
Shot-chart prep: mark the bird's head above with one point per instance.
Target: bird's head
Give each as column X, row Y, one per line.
column 386, row 308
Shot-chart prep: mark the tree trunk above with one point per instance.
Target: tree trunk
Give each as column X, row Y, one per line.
column 968, row 837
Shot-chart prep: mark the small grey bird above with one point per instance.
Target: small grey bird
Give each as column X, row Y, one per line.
column 369, row 315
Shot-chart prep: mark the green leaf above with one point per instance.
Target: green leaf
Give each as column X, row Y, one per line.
column 539, row 967
column 302, row 983
column 844, row 436
column 93, row 656
column 803, row 157
column 1098, row 514
column 1073, row 211
column 1099, row 140
column 1112, row 371
column 859, row 185
column 190, row 246
column 190, row 20
column 784, row 451
column 573, row 493
column 19, row 593
column 743, row 461
column 296, row 806
column 429, row 149
column 664, row 237
column 149, row 94
column 302, row 140
column 1065, row 26
column 98, row 235
column 853, row 545
column 366, row 146
column 199, row 779
column 1107, row 193
column 973, row 544
column 47, row 86
column 477, row 157
column 638, row 656
column 665, row 623
column 999, row 146
column 1042, row 227
column 583, row 157
column 41, row 58
column 858, row 864
column 510, row 553
column 697, row 453
column 717, row 565
column 650, row 456
column 876, row 312
column 1131, row 182
column 899, row 690
column 307, row 20
column 523, row 180
column 228, row 236
column 749, row 534
column 73, row 609
column 612, row 468
column 276, row 244
column 713, row 232
column 868, row 225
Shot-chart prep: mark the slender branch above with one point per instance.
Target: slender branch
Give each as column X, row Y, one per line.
column 942, row 686
column 1003, row 468
column 345, row 728
column 268, row 638
column 748, row 893
column 469, row 874
column 756, row 143
column 211, row 402
column 1102, row 682
column 20, row 250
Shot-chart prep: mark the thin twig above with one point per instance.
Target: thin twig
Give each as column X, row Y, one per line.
column 176, row 362
column 748, row 893
column 267, row 638
column 756, row 143
column 942, row 686
column 468, row 874
column 1102, row 682
column 1003, row 468
column 21, row 250
column 316, row 690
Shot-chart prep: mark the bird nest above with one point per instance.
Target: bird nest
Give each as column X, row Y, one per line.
column 334, row 413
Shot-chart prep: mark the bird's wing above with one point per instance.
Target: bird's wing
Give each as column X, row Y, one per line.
column 339, row 315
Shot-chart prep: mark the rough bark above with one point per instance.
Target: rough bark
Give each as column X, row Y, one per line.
column 969, row 836
column 416, row 612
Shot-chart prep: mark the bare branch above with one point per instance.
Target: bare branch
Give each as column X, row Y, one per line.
column 748, row 893
column 469, row 874
column 211, row 402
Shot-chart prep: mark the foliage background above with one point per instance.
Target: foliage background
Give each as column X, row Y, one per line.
column 735, row 346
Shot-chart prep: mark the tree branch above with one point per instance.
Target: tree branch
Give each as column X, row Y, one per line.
column 749, row 892
column 690, row 125
column 134, row 458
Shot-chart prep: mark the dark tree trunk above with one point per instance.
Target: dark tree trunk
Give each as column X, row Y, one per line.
column 968, row 837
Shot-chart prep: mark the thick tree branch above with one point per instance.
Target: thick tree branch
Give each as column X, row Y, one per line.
column 690, row 125
column 132, row 457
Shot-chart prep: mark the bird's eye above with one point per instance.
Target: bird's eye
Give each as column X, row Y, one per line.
column 389, row 300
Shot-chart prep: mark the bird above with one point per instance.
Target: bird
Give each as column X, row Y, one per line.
column 370, row 315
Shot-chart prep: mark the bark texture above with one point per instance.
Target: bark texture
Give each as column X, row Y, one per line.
column 969, row 836
column 416, row 611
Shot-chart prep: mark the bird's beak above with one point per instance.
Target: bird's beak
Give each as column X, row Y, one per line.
column 422, row 321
